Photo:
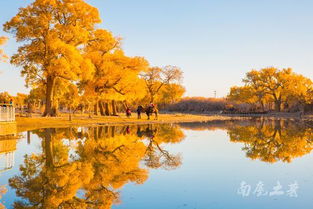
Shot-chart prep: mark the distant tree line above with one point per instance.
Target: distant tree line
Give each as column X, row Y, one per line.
column 265, row 90
column 275, row 89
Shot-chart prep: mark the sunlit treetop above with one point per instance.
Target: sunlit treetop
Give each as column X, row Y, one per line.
column 273, row 85
column 53, row 34
column 3, row 56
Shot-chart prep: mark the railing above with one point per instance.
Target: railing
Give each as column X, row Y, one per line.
column 7, row 113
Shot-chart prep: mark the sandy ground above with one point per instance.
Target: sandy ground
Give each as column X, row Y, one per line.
column 36, row 122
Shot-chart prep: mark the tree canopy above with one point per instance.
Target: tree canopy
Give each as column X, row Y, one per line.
column 63, row 52
column 282, row 87
column 3, row 56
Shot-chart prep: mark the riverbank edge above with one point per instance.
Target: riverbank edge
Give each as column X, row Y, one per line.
column 32, row 123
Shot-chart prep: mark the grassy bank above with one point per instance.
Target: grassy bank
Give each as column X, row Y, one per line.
column 36, row 122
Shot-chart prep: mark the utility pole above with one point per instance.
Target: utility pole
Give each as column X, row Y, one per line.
column 214, row 93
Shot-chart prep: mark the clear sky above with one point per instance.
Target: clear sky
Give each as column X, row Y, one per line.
column 215, row 42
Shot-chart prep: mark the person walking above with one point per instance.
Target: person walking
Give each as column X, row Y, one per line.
column 139, row 111
column 128, row 112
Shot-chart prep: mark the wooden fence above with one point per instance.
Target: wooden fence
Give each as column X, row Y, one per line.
column 7, row 113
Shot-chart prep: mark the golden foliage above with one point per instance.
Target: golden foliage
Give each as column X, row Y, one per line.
column 72, row 62
column 156, row 78
column 273, row 85
column 272, row 141
column 102, row 160
column 53, row 33
column 3, row 56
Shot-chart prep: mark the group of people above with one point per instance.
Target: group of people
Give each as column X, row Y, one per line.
column 140, row 110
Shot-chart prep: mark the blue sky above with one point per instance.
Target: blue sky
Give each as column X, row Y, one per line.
column 215, row 42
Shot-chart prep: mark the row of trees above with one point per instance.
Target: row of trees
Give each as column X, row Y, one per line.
column 281, row 88
column 67, row 60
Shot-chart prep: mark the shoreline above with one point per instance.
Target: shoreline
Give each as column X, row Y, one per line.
column 32, row 123
column 37, row 122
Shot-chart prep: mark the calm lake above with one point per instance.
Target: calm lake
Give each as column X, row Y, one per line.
column 216, row 165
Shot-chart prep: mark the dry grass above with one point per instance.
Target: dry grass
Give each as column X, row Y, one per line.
column 36, row 122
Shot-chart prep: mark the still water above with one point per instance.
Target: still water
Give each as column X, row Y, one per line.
column 218, row 165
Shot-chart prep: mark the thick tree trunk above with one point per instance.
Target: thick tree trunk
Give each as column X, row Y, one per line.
column 113, row 131
column 107, row 109
column 125, row 105
column 95, row 109
column 100, row 103
column 100, row 132
column 106, row 131
column 50, row 109
column 95, row 133
column 114, row 109
column 48, row 147
column 278, row 105
column 263, row 106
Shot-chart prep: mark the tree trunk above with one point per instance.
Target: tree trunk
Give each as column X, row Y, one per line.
column 101, row 108
column 107, row 109
column 95, row 109
column 113, row 131
column 125, row 105
column 278, row 105
column 151, row 99
column 263, row 106
column 70, row 114
column 50, row 109
column 30, row 109
column 28, row 137
column 95, row 133
column 48, row 147
column 114, row 110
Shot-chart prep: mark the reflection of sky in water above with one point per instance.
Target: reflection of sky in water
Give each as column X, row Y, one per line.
column 23, row 148
column 211, row 172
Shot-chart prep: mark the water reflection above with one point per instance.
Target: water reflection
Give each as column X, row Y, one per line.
column 273, row 141
column 86, row 167
column 265, row 140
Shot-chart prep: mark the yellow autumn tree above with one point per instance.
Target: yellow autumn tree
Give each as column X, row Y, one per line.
column 280, row 86
column 116, row 75
column 52, row 33
column 170, row 93
column 156, row 78
column 3, row 56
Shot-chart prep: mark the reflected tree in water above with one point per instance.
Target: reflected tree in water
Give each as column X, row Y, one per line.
column 51, row 178
column 87, row 167
column 155, row 155
column 273, row 141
